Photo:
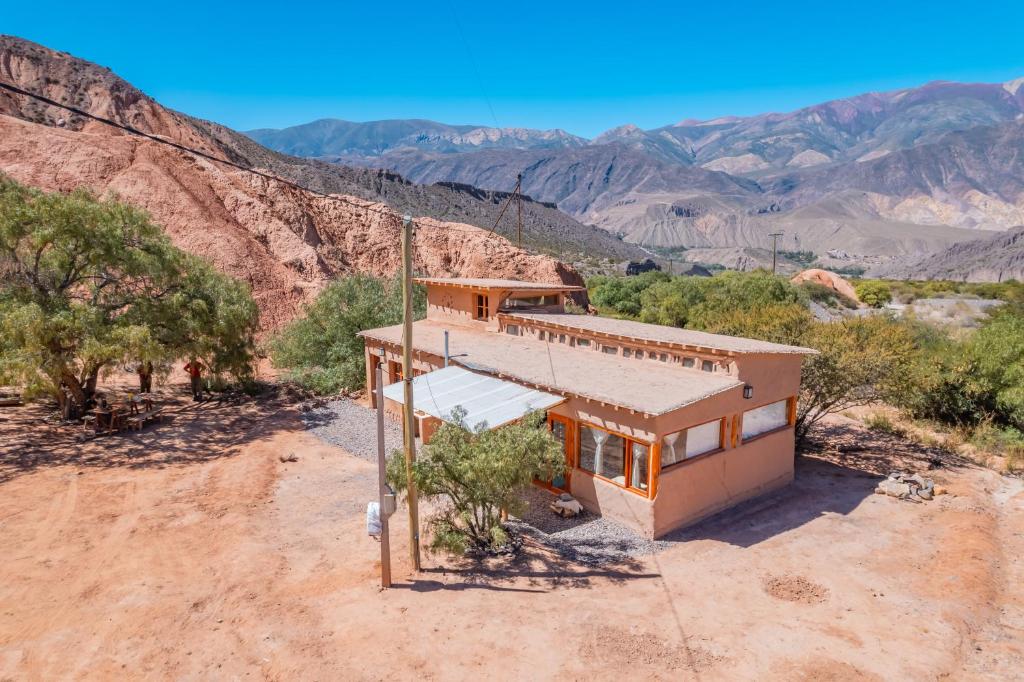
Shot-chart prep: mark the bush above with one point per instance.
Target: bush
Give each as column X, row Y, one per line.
column 321, row 350
column 474, row 474
column 873, row 292
column 880, row 422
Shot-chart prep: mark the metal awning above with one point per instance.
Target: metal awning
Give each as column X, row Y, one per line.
column 488, row 402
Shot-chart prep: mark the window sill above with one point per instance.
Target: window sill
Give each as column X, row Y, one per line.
column 641, row 493
column 688, row 460
column 744, row 441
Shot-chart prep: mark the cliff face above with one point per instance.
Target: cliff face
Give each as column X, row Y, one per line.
column 284, row 242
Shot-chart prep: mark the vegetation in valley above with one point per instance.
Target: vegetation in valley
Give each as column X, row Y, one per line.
column 89, row 284
column 908, row 291
column 474, row 474
column 322, row 350
column 973, row 382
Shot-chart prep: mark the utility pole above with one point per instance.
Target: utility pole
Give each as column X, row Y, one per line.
column 775, row 243
column 519, row 206
column 386, row 495
column 408, row 426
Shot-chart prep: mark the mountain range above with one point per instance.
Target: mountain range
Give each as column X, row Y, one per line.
column 868, row 179
column 286, row 243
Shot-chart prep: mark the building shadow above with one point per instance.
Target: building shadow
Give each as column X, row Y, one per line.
column 838, row 468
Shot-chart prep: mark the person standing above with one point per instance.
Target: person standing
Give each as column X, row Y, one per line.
column 195, row 372
column 145, row 371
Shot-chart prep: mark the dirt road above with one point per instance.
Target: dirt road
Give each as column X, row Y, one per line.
column 191, row 551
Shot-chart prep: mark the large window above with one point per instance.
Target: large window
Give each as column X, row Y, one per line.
column 618, row 459
column 766, row 418
column 696, row 440
column 482, row 307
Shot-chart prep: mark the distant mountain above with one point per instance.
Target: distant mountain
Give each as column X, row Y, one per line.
column 996, row 259
column 333, row 137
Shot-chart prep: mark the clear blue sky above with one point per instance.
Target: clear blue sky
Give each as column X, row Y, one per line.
column 583, row 67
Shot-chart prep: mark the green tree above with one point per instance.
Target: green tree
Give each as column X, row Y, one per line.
column 860, row 361
column 474, row 474
column 322, row 349
column 91, row 283
column 873, row 292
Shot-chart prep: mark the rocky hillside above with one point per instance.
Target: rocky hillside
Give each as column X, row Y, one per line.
column 997, row 259
column 285, row 242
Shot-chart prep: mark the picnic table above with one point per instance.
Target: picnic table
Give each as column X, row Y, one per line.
column 133, row 413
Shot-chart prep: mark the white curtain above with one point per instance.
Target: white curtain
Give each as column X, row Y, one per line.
column 600, row 438
column 668, row 449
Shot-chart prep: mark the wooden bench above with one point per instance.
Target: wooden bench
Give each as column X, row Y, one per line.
column 136, row 421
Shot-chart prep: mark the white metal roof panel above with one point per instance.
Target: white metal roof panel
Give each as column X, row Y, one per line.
column 488, row 402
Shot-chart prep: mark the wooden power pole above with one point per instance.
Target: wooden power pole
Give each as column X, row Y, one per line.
column 408, row 425
column 519, row 206
column 383, row 490
column 775, row 244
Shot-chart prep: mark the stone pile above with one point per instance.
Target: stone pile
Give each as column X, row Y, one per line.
column 909, row 487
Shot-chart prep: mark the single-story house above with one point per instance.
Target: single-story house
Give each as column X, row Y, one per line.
column 661, row 426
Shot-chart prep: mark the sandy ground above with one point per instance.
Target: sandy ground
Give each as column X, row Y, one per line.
column 190, row 551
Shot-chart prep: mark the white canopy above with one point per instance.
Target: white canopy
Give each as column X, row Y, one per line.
column 488, row 402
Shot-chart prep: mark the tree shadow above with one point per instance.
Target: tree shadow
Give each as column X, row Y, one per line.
column 189, row 433
column 536, row 568
column 838, row 469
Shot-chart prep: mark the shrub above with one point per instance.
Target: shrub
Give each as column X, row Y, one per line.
column 880, row 422
column 474, row 474
column 322, row 349
column 873, row 292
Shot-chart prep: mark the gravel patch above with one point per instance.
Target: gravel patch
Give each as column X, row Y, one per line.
column 587, row 538
column 353, row 428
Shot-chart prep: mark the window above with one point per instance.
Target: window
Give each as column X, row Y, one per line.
column 626, row 353
column 512, row 329
column 524, row 302
column 482, row 307
column 663, row 357
column 610, row 350
column 620, row 460
column 707, row 366
column 540, row 335
column 765, row 418
column 583, row 343
column 639, row 354
column 689, row 362
column 561, row 338
column 696, row 440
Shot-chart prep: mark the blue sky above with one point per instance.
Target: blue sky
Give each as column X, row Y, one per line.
column 583, row 67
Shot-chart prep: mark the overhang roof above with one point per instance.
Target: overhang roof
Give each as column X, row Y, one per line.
column 488, row 402
column 646, row 386
column 656, row 333
column 485, row 283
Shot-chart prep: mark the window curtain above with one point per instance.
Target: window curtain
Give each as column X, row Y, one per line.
column 668, row 449
column 600, row 438
column 638, row 476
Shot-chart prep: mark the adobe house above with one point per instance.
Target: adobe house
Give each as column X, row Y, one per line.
column 661, row 426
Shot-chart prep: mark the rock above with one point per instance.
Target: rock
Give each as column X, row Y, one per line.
column 925, row 493
column 893, row 488
column 289, row 457
column 939, row 490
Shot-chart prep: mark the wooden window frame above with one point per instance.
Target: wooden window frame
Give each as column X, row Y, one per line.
column 482, row 307
column 722, row 439
column 569, row 452
column 627, row 444
column 790, row 421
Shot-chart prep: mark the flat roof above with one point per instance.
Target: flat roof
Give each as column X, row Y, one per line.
column 658, row 333
column 646, row 386
column 487, row 402
column 485, row 283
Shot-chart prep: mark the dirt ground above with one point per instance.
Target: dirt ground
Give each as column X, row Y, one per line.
column 190, row 551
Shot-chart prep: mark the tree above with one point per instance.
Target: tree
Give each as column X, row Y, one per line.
column 873, row 293
column 322, row 349
column 474, row 474
column 91, row 283
column 860, row 361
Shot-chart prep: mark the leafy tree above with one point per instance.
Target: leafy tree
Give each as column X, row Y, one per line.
column 873, row 292
column 91, row 283
column 860, row 361
column 322, row 349
column 621, row 295
column 474, row 474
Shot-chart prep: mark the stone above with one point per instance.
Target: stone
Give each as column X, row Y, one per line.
column 893, row 488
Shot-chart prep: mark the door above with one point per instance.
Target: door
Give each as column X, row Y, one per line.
column 561, row 428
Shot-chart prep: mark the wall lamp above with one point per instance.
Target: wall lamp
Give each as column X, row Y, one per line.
column 748, row 392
